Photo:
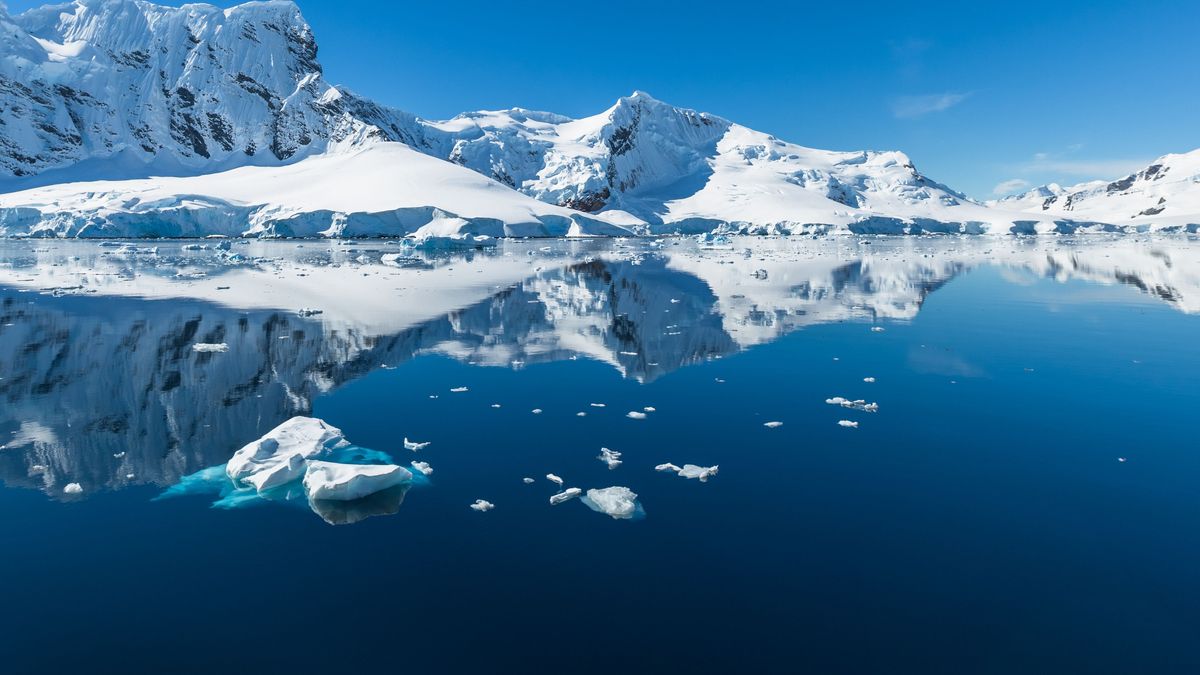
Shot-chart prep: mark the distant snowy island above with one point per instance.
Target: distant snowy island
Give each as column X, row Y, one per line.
column 127, row 119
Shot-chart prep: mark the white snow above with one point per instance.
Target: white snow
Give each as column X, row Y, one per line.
column 345, row 482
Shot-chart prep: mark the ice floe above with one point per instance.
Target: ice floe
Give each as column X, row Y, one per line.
column 857, row 404
column 701, row 472
column 554, row 479
column 667, row 467
column 482, row 505
column 73, row 489
column 848, row 424
column 345, row 482
column 415, row 445
column 279, row 456
column 610, row 457
column 527, row 480
column 868, row 380
column 423, row 468
column 458, row 390
column 616, row 501
column 210, row 347
column 772, row 425
column 635, row 415
column 565, row 496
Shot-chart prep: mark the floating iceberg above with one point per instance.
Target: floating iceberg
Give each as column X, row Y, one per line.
column 667, row 467
column 565, row 496
column 554, row 479
column 857, row 404
column 848, row 424
column 635, row 415
column 423, row 467
column 610, row 457
column 414, row 445
column 279, row 456
column 701, row 472
column 619, row 502
column 345, row 482
column 73, row 489
column 483, row 505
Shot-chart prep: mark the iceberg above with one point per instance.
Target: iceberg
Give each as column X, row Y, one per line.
column 73, row 489
column 345, row 482
column 279, row 456
column 610, row 457
column 701, row 472
column 565, row 496
column 423, row 467
column 616, row 501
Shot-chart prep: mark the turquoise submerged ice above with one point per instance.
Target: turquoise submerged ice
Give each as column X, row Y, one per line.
column 304, row 460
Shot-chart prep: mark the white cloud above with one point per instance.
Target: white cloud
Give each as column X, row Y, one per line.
column 1010, row 186
column 910, row 107
column 1094, row 168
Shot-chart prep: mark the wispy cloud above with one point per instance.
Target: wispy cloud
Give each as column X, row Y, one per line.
column 1045, row 162
column 1010, row 186
column 911, row 107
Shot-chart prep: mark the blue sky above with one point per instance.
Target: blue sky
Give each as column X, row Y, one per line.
column 978, row 94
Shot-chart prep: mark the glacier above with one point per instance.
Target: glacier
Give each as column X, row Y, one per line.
column 121, row 118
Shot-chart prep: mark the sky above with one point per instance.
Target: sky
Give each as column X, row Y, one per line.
column 986, row 97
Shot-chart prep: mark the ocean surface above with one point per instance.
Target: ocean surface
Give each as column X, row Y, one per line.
column 1023, row 499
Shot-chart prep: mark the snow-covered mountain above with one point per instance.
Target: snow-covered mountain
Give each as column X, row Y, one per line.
column 1165, row 194
column 229, row 111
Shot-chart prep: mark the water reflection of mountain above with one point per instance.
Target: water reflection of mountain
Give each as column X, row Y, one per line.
column 106, row 390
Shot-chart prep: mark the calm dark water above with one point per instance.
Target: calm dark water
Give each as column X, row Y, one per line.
column 980, row 522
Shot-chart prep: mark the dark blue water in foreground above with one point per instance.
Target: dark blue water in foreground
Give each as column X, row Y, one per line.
column 979, row 522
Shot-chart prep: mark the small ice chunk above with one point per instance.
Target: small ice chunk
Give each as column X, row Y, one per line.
column 527, row 480
column 414, row 445
column 649, row 408
column 618, row 502
column 483, row 505
column 565, row 496
column 1121, row 459
column 279, row 456
column 118, row 455
column 868, row 380
column 554, row 479
column 73, row 489
column 667, row 467
column 581, row 414
column 876, row 329
column 458, row 390
column 596, row 405
column 495, row 405
column 635, row 415
column 848, row 424
column 772, row 425
column 857, row 404
column 344, row 482
column 423, row 467
column 210, row 347
column 701, row 472
column 610, row 457
column 536, row 411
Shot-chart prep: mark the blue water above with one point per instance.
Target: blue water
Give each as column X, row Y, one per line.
column 979, row 522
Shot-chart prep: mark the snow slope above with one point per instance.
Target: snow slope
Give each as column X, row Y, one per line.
column 380, row 189
column 1164, row 195
column 125, row 118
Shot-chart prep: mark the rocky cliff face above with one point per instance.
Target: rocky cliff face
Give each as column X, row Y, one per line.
column 182, row 90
